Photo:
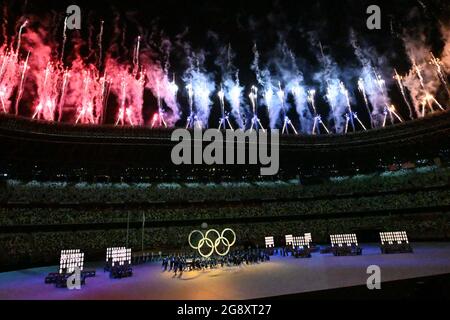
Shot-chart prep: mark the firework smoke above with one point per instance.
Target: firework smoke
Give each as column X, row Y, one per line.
column 233, row 91
column 328, row 77
column 370, row 84
column 288, row 73
column 202, row 87
column 421, row 80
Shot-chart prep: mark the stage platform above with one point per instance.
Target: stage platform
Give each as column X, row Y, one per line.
column 278, row 277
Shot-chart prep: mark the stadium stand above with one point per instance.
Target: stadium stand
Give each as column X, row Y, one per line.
column 73, row 186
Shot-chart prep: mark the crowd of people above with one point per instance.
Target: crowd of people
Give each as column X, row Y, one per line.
column 83, row 192
column 40, row 216
column 189, row 262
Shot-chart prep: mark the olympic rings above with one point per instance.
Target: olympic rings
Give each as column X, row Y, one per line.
column 189, row 238
column 209, row 243
column 213, row 244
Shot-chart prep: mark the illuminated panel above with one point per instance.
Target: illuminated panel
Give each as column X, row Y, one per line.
column 398, row 237
column 269, row 242
column 340, row 239
column 71, row 259
column 109, row 252
column 300, row 242
column 120, row 256
column 308, row 237
column 289, row 239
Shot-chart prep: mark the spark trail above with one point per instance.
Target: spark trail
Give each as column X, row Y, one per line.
column 437, row 64
column 399, row 79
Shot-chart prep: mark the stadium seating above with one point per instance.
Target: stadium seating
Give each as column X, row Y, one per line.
column 32, row 233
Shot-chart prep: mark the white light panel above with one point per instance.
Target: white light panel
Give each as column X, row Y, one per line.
column 120, row 256
column 391, row 237
column 289, row 239
column 70, row 259
column 341, row 239
column 109, row 252
column 308, row 237
column 300, row 241
column 270, row 243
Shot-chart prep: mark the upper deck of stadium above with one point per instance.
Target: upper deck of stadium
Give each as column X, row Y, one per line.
column 112, row 149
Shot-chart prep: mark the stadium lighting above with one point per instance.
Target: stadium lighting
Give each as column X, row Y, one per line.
column 120, row 266
column 300, row 241
column 71, row 259
column 391, row 237
column 289, row 239
column 308, row 237
column 119, row 256
column 395, row 242
column 345, row 245
column 110, row 251
column 297, row 241
column 338, row 240
column 270, row 243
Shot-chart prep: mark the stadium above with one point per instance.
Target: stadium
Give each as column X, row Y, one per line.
column 363, row 186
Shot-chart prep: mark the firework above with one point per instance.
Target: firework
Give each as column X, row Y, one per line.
column 190, row 95
column 20, row 36
column 349, row 114
column 429, row 101
column 9, row 77
column 234, row 94
column 437, row 64
column 317, row 123
column 224, row 120
column 418, row 71
column 64, row 40
column 52, row 85
column 22, row 79
column 66, row 76
column 362, row 90
column 255, row 123
column 158, row 117
column 253, row 95
column 268, row 94
column 399, row 79
column 287, row 123
column 311, row 97
column 332, row 97
column 100, row 47
column 48, row 86
column 192, row 119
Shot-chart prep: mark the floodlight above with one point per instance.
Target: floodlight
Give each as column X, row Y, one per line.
column 308, row 237
column 71, row 259
column 343, row 239
column 120, row 255
column 289, row 239
column 270, row 243
column 300, row 241
column 390, row 237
